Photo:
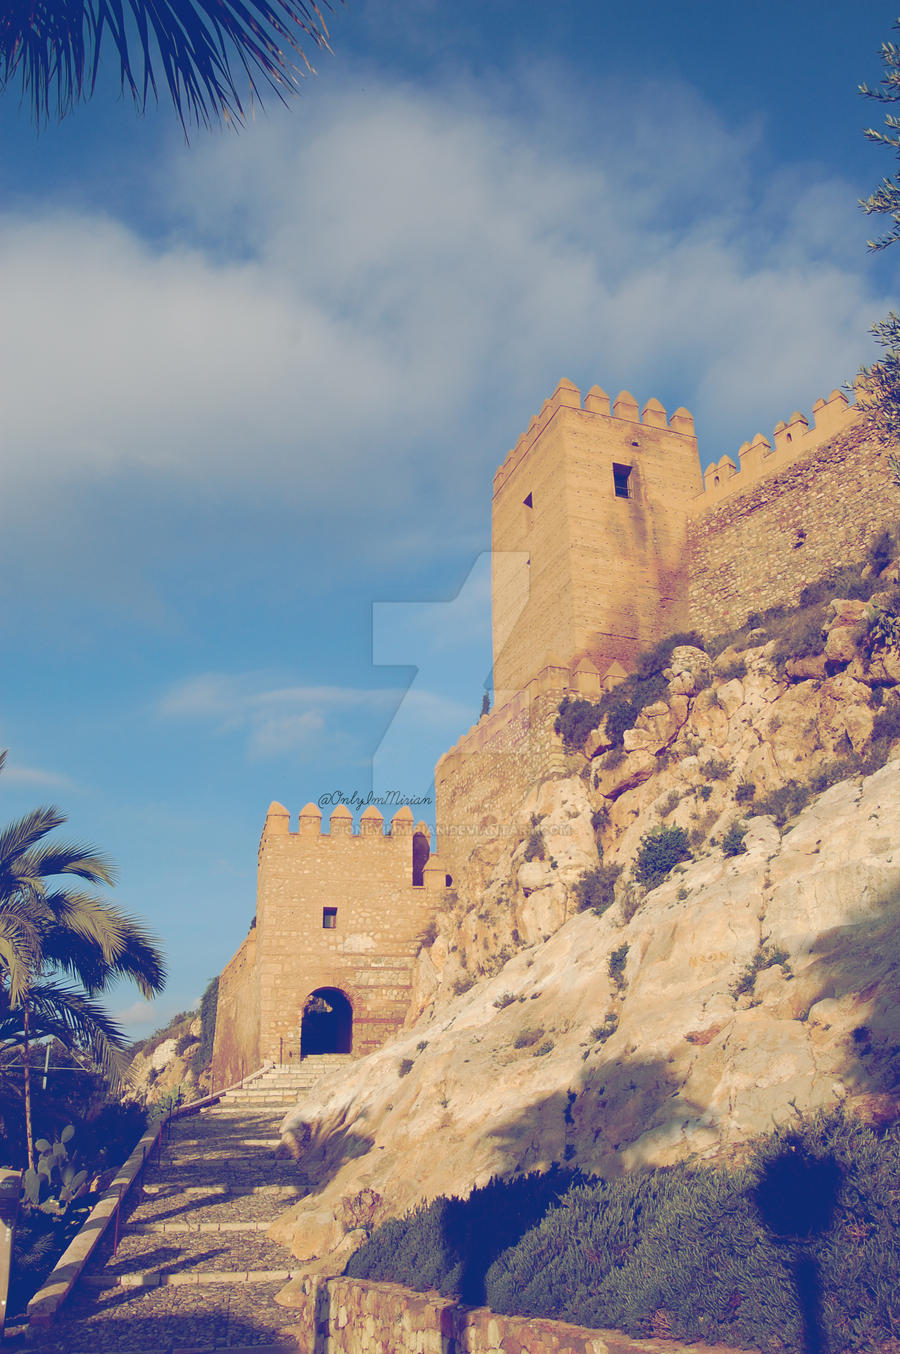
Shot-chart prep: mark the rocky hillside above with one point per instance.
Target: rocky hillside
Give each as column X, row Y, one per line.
column 162, row 1068
column 574, row 1008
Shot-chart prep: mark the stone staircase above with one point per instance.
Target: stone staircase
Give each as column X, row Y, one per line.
column 191, row 1268
column 283, row 1085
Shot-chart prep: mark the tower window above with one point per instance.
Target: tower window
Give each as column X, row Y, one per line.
column 528, row 501
column 620, row 480
column 329, row 918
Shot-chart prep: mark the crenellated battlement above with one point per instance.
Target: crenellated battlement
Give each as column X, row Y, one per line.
column 623, row 410
column 310, row 823
column 791, row 439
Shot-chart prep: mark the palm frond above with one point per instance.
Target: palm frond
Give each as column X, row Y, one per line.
column 191, row 46
column 69, row 858
column 23, row 835
column 94, row 941
column 74, row 1019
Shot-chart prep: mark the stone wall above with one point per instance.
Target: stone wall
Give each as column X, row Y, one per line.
column 588, row 525
column 762, row 547
column 356, row 1316
column 236, row 1046
column 339, row 910
column 481, row 781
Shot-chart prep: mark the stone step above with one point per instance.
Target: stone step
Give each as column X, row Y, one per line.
column 191, row 1278
column 221, row 1189
column 197, row 1226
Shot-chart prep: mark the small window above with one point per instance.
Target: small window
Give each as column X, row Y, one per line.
column 528, row 501
column 329, row 918
column 620, row 480
column 528, row 510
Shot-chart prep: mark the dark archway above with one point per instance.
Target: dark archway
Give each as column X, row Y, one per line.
column 421, row 852
column 327, row 1023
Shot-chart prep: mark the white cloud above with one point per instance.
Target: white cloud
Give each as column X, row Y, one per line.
column 274, row 720
column 357, row 302
column 14, row 773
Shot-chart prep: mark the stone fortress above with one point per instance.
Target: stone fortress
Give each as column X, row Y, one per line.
column 606, row 538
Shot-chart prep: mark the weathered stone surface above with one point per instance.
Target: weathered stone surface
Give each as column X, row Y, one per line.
column 688, row 671
column 688, row 1068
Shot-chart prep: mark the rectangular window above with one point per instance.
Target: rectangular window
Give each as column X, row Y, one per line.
column 329, row 918
column 620, row 480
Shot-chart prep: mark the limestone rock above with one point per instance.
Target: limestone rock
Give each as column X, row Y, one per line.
column 682, row 1067
column 802, row 669
column 842, row 642
column 625, row 773
column 689, row 670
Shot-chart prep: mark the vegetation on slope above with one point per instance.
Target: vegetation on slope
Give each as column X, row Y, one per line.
column 690, row 1253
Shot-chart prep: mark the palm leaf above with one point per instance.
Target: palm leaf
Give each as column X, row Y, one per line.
column 77, row 1021
column 54, row 48
column 69, row 858
column 22, row 836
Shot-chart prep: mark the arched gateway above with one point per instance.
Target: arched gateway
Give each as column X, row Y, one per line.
column 327, row 1025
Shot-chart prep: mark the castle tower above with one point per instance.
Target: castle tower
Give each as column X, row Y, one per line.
column 590, row 516
column 328, row 964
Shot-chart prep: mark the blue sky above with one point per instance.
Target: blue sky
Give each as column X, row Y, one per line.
column 254, row 389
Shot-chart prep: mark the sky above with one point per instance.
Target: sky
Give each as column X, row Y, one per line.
column 254, row 388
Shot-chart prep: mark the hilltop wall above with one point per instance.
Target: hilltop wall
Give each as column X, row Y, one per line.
column 788, row 528
column 236, row 1047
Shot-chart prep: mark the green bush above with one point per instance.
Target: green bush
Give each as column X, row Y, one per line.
column 745, row 792
column 767, row 956
column 600, row 818
column 600, row 1033
column 527, row 1037
column 405, row 1067
column 685, row 1248
column 505, row 999
column 622, row 705
column 882, row 550
column 736, row 668
column 202, row 1055
column 596, row 889
column 660, row 850
column 616, row 965
column 450, row 1243
column 534, row 847
column 733, row 839
column 785, row 802
column 716, row 768
column 575, row 721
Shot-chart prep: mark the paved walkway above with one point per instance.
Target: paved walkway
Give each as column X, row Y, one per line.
column 194, row 1270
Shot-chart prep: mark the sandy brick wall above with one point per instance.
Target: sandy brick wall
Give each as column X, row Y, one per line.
column 480, row 783
column 762, row 547
column 579, row 570
column 236, row 1046
column 356, row 1316
column 366, row 879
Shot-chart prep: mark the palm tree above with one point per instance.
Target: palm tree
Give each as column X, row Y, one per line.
column 54, row 48
column 47, row 929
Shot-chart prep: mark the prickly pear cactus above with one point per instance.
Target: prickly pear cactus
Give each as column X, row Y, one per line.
column 55, row 1181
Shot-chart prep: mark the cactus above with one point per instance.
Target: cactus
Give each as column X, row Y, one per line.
column 56, row 1181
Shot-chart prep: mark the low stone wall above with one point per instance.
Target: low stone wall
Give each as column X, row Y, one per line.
column 356, row 1316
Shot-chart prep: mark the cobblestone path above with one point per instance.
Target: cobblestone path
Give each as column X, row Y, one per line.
column 194, row 1270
